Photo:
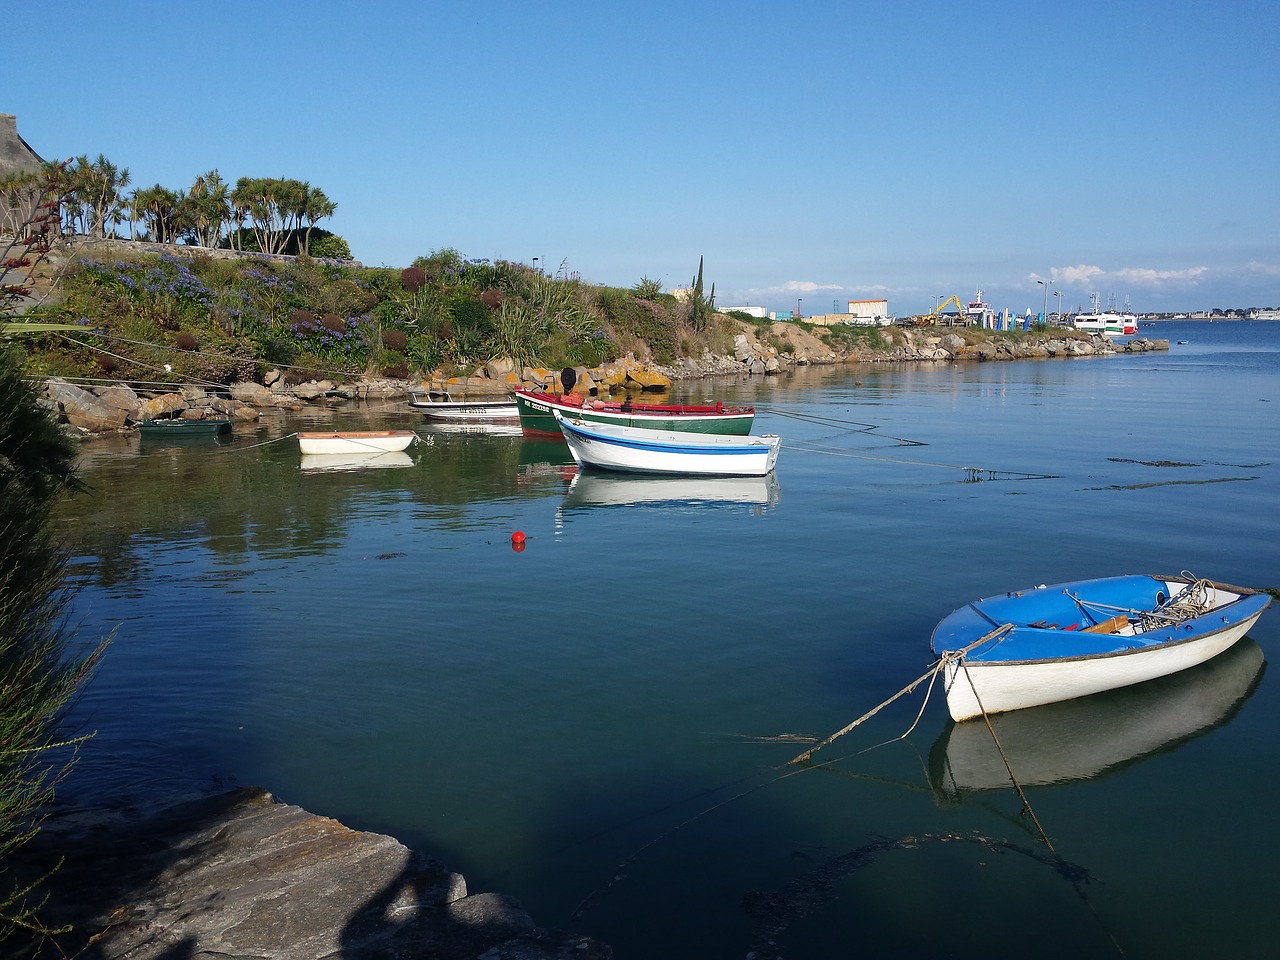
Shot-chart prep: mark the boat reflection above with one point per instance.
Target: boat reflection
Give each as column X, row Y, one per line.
column 497, row 428
column 592, row 489
column 1084, row 738
column 333, row 462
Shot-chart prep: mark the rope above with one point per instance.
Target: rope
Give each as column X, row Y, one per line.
column 1026, row 804
column 835, row 422
column 974, row 473
column 996, row 634
column 1193, row 600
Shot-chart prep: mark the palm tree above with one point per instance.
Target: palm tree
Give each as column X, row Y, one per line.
column 97, row 187
column 206, row 209
column 316, row 208
column 157, row 207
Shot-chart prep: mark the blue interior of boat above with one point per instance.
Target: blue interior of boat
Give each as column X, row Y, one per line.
column 1051, row 622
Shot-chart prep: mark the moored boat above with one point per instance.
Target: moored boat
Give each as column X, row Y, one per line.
column 537, row 414
column 440, row 405
column 609, row 446
column 355, row 441
column 1052, row 643
column 178, row 427
column 1087, row 737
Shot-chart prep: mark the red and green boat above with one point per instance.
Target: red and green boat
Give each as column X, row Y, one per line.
column 537, row 419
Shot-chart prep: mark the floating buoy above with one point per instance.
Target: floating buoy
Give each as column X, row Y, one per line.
column 517, row 537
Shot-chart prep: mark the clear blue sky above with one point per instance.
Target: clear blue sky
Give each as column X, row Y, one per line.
column 822, row 150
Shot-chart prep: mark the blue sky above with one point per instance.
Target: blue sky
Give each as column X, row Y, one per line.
column 834, row 151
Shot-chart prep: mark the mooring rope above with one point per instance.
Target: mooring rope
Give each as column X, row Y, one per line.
column 997, row 634
column 1026, row 804
column 974, row 473
column 836, row 422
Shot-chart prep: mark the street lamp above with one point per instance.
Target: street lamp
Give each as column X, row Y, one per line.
column 799, row 300
column 1058, row 307
column 535, row 264
column 1046, row 284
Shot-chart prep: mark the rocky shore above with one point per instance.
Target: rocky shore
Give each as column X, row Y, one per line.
column 242, row 875
column 756, row 352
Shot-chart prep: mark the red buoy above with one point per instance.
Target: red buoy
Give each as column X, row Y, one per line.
column 517, row 537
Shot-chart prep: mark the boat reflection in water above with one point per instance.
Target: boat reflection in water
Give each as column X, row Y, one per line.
column 591, row 489
column 496, row 428
column 1081, row 739
column 333, row 462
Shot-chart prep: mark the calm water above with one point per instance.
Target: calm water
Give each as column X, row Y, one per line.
column 598, row 724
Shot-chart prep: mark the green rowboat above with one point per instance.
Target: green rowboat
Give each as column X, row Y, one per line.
column 537, row 418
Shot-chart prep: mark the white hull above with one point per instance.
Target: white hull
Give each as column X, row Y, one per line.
column 1014, row 686
column 637, row 450
column 356, row 441
column 1083, row 738
column 1112, row 324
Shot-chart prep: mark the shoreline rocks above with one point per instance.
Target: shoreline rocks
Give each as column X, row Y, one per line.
column 244, row 875
column 119, row 407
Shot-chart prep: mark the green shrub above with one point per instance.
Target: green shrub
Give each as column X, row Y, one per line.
column 39, row 673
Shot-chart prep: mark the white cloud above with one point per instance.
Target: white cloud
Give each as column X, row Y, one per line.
column 1146, row 277
column 1265, row 269
column 1081, row 274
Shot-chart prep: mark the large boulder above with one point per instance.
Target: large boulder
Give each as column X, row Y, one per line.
column 247, row 391
column 121, row 396
column 82, row 409
column 162, row 406
column 647, row 379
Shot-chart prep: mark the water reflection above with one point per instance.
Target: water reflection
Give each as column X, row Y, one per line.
column 596, row 489
column 1082, row 739
column 329, row 462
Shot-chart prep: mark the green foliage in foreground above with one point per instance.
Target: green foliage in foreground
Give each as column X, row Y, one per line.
column 38, row 672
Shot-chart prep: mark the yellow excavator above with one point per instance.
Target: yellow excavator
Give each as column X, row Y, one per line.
column 931, row 319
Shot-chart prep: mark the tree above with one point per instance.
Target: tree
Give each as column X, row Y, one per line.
column 316, row 206
column 276, row 209
column 699, row 307
column 158, row 208
column 206, row 209
column 96, row 196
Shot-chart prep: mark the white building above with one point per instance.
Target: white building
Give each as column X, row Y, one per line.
column 869, row 313
column 760, row 312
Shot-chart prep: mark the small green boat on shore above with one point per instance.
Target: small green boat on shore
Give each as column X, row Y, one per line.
column 537, row 417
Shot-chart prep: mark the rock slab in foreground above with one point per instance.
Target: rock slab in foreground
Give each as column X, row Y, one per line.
column 244, row 876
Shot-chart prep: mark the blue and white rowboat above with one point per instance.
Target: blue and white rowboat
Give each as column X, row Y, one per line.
column 1053, row 643
column 639, row 450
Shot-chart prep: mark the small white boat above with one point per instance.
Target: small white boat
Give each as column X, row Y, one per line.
column 1052, row 643
column 640, row 450
column 1087, row 737
column 440, row 405
column 356, row 441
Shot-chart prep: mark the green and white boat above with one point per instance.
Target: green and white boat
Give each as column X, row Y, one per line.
column 537, row 414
